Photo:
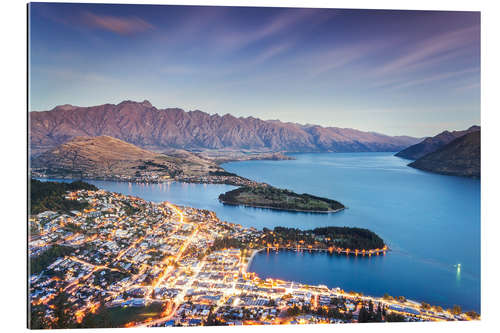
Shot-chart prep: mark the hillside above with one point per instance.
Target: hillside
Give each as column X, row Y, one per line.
column 160, row 129
column 432, row 144
column 104, row 157
column 461, row 157
column 51, row 196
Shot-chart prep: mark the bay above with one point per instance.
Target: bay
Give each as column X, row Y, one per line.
column 431, row 223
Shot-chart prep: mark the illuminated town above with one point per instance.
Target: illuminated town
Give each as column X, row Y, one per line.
column 139, row 263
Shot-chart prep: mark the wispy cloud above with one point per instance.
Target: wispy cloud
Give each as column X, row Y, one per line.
column 468, row 86
column 198, row 20
column 119, row 25
column 272, row 51
column 325, row 61
column 71, row 75
column 243, row 65
column 278, row 24
column 435, row 77
column 430, row 51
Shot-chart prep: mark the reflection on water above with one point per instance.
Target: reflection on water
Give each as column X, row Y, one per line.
column 458, row 273
column 431, row 223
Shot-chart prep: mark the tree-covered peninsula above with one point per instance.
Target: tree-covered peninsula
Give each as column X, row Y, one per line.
column 266, row 196
column 331, row 238
column 326, row 237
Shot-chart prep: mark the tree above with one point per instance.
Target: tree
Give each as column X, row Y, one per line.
column 293, row 311
column 363, row 316
column 437, row 308
column 394, row 317
column 472, row 314
column 425, row 306
column 100, row 319
column 42, row 261
column 388, row 297
column 321, row 312
column 212, row 320
column 51, row 196
column 456, row 310
column 62, row 312
column 38, row 320
column 378, row 317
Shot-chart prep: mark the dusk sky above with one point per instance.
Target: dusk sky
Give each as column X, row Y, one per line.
column 394, row 72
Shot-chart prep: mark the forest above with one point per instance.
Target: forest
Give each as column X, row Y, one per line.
column 50, row 196
column 325, row 237
column 266, row 196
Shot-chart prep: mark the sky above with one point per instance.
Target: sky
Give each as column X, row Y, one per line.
column 394, row 72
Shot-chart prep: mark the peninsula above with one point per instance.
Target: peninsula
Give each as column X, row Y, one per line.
column 108, row 158
column 460, row 157
column 432, row 144
column 266, row 196
column 121, row 261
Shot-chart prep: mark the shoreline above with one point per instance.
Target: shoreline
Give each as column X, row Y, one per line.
column 54, row 178
column 284, row 209
column 249, row 262
column 358, row 295
column 368, row 253
column 223, row 161
column 254, row 252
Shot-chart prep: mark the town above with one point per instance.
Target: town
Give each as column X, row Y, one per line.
column 124, row 262
column 152, row 177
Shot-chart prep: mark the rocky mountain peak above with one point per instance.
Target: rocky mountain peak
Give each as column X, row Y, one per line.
column 65, row 107
column 146, row 103
column 134, row 123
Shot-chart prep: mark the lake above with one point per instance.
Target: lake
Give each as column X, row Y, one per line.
column 431, row 223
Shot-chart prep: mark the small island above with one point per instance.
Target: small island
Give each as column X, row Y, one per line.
column 266, row 196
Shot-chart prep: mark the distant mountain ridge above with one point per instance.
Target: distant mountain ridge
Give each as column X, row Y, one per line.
column 432, row 144
column 143, row 125
column 460, row 157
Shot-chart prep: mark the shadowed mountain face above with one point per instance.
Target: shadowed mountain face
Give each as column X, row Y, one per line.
column 432, row 144
column 461, row 157
column 148, row 127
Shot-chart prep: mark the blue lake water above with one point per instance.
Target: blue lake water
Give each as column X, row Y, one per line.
column 431, row 222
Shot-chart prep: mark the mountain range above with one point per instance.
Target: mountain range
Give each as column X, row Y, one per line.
column 144, row 125
column 431, row 144
column 460, row 157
